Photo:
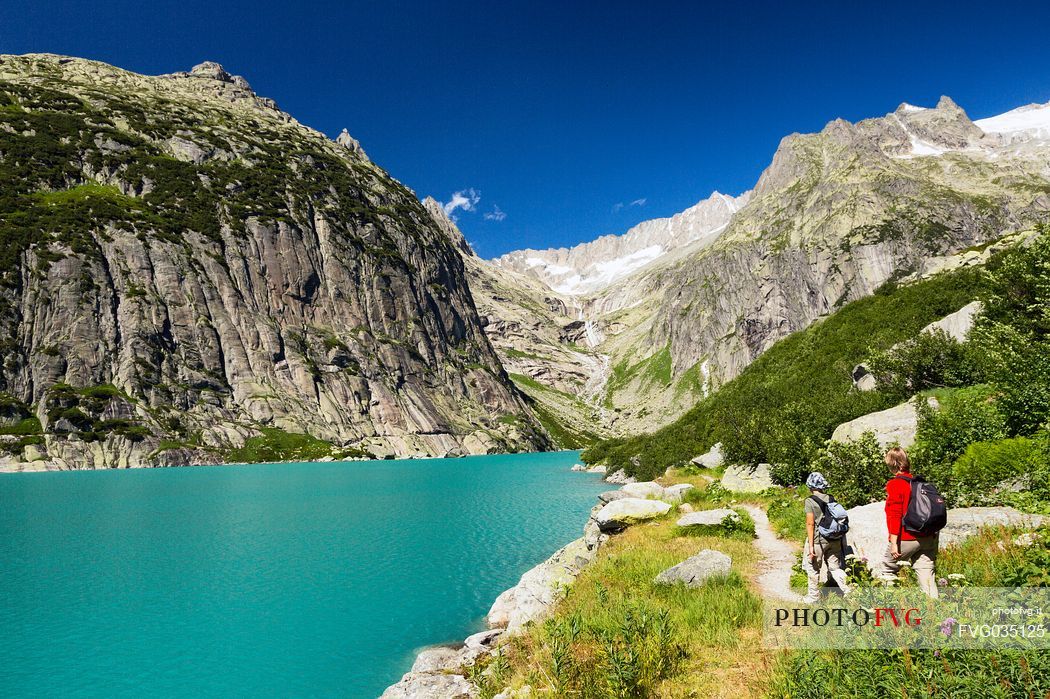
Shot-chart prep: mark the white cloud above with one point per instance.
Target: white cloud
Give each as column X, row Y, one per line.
column 619, row 206
column 466, row 199
column 497, row 214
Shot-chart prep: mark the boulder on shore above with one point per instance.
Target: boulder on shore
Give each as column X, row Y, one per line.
column 647, row 489
column 747, row 479
column 696, row 570
column 610, row 495
column 619, row 477
column 541, row 587
column 426, row 685
column 620, row 514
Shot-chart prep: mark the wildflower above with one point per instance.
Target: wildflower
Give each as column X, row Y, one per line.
column 942, row 582
column 936, row 654
column 956, row 576
column 948, row 625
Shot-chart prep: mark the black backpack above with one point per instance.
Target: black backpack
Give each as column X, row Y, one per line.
column 927, row 514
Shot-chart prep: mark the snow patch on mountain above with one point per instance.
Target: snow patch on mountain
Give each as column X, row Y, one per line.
column 1032, row 121
column 591, row 267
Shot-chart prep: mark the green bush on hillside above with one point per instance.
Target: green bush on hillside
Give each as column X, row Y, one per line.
column 964, row 417
column 985, row 464
column 855, row 470
column 785, row 404
column 928, row 360
column 1013, row 333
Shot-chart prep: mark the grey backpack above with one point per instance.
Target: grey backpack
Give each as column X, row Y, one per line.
column 834, row 522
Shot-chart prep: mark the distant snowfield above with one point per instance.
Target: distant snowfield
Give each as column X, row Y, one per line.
column 590, row 267
column 601, row 274
column 1033, row 119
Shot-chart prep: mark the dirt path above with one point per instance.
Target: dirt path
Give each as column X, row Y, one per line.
column 778, row 556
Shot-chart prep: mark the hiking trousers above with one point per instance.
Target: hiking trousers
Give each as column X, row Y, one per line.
column 922, row 554
column 831, row 555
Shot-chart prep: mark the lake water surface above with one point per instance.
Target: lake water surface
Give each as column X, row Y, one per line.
column 265, row 580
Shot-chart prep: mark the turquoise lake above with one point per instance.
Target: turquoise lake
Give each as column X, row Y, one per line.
column 314, row 579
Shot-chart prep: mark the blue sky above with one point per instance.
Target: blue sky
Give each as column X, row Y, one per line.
column 574, row 119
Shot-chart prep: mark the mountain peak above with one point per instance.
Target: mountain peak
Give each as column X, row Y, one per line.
column 211, row 69
column 350, row 143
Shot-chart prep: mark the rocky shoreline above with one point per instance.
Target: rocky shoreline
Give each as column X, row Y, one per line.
column 440, row 672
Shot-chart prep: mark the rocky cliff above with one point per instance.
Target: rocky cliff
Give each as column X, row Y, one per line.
column 548, row 351
column 186, row 268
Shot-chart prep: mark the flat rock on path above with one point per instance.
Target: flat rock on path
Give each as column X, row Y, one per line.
column 778, row 557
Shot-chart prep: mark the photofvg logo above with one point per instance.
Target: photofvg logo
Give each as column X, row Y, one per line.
column 842, row 616
column 966, row 617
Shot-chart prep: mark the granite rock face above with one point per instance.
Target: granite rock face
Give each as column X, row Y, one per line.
column 427, row 685
column 893, row 425
column 834, row 216
column 540, row 588
column 747, row 479
column 206, row 267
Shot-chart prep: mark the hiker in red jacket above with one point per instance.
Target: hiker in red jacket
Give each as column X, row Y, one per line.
column 921, row 552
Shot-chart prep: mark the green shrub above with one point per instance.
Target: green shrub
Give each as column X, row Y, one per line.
column 787, row 514
column 1014, row 333
column 278, row 445
column 911, row 673
column 964, row 417
column 855, row 471
column 985, row 464
column 928, row 360
column 739, row 527
column 623, row 652
column 26, row 426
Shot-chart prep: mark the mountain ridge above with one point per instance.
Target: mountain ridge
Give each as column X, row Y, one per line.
column 191, row 271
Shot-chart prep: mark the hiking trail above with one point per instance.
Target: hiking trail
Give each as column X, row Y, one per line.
column 778, row 557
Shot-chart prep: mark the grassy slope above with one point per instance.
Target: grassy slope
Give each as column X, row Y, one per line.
column 803, row 381
column 711, row 645
column 558, row 412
